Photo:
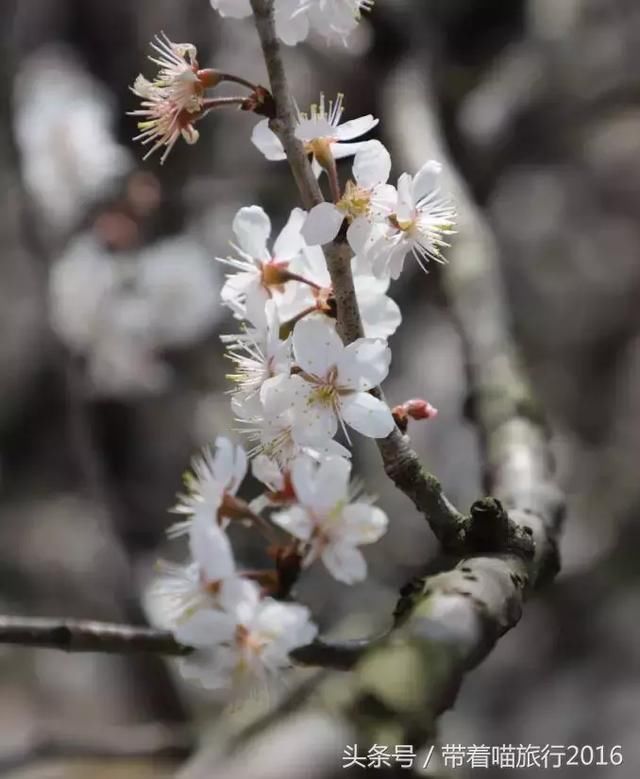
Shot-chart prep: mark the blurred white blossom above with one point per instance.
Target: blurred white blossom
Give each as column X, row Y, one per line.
column 119, row 311
column 63, row 127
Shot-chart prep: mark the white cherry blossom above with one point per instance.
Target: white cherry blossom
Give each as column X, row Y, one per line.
column 421, row 222
column 260, row 270
column 183, row 590
column 336, row 19
column 332, row 385
column 247, row 645
column 292, row 23
column 258, row 354
column 281, row 433
column 380, row 314
column 173, row 101
column 365, row 200
column 212, row 477
column 321, row 132
column 331, row 527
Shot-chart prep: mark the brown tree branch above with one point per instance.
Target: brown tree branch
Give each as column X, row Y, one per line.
column 77, row 635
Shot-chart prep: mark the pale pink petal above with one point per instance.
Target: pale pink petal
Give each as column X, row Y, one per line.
column 367, row 414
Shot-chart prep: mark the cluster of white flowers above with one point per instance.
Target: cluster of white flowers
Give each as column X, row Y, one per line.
column 294, row 19
column 296, row 386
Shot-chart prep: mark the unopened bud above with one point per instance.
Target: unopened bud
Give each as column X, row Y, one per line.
column 420, row 409
column 412, row 409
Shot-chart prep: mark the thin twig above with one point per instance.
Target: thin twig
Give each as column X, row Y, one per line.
column 77, row 635
column 284, row 123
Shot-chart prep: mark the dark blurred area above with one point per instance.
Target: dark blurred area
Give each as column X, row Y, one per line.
column 112, row 375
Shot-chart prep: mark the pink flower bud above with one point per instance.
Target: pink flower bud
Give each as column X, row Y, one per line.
column 420, row 409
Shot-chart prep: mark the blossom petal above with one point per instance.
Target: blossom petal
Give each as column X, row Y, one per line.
column 381, row 315
column 355, row 127
column 239, row 597
column 345, row 563
column 364, row 364
column 322, row 224
column 404, row 207
column 283, row 392
column 267, row 471
column 372, row 165
column 367, row 414
column 363, row 524
column 341, row 150
column 316, row 346
column 205, row 628
column 296, row 521
column 252, row 228
column 358, row 234
column 289, row 242
column 210, row 548
column 331, row 483
column 426, row 180
column 266, row 141
column 291, row 27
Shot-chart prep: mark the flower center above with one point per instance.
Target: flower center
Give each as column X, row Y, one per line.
column 355, row 201
column 324, row 395
column 404, row 225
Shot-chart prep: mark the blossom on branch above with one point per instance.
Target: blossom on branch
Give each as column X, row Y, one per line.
column 421, row 222
column 366, row 200
column 334, row 19
column 330, row 526
column 320, row 131
column 213, row 480
column 333, row 382
column 247, row 644
column 183, row 590
column 174, row 100
column 260, row 271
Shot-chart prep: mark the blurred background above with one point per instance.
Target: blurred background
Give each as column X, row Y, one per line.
column 111, row 369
